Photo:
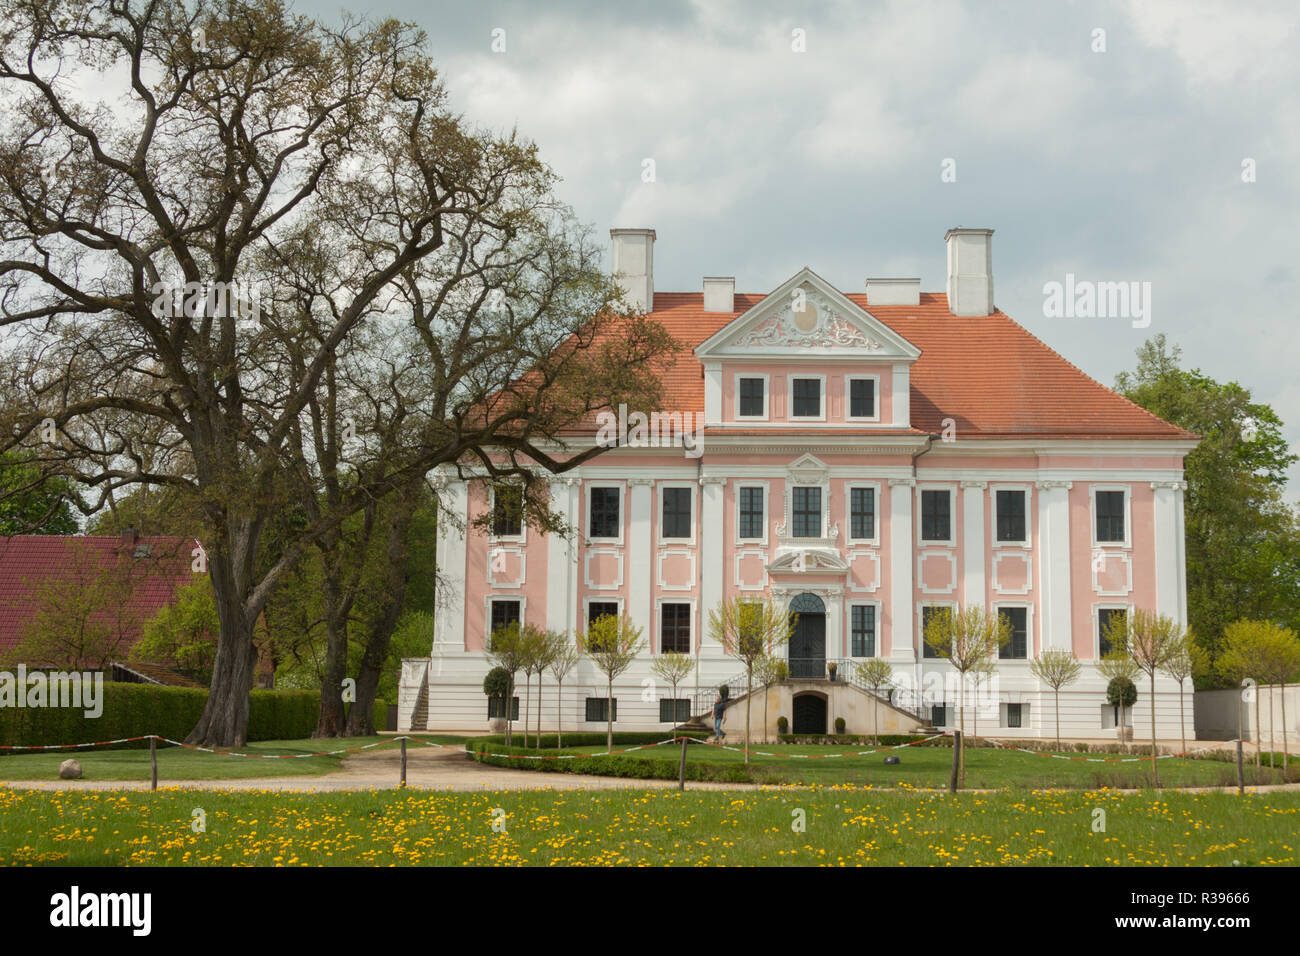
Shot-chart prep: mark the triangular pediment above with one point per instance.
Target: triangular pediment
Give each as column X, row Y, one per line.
column 806, row 317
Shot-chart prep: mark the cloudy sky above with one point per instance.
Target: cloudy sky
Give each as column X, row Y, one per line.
column 1114, row 165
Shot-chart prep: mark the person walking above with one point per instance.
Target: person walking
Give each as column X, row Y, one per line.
column 719, row 708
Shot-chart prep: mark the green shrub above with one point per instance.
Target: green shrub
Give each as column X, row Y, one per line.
column 483, row 748
column 628, row 738
column 135, row 710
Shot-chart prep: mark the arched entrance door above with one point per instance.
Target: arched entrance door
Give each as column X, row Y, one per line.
column 808, row 644
column 809, row 714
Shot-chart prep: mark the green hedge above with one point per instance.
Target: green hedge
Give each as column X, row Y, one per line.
column 612, row 766
column 852, row 740
column 629, row 738
column 133, row 710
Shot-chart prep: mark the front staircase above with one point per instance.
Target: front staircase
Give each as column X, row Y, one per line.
column 702, row 703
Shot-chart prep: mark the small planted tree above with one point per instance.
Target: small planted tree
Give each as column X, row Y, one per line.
column 1151, row 638
column 564, row 659
column 498, row 686
column 506, row 650
column 1118, row 668
column 536, row 647
column 749, row 631
column 966, row 639
column 612, row 643
column 1244, row 658
column 770, row 670
column 672, row 668
column 1056, row 668
column 1186, row 658
column 876, row 675
column 1280, row 660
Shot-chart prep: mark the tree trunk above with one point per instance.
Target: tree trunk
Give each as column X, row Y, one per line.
column 333, row 718
column 609, row 715
column 539, row 710
column 1058, row 717
column 380, row 638
column 1182, row 726
column 1285, row 751
column 224, row 722
column 1155, row 771
column 559, row 713
column 1272, row 726
column 1259, row 760
column 749, row 689
column 510, row 700
column 875, row 719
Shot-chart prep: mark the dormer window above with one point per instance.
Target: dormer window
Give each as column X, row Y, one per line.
column 862, row 398
column 807, row 397
column 751, row 396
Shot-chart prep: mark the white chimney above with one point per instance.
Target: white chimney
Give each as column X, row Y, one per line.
column 970, row 271
column 893, row 292
column 720, row 294
column 634, row 265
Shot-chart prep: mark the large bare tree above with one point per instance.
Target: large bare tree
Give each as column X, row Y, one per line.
column 208, row 208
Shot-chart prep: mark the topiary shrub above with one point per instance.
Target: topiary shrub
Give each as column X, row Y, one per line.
column 1121, row 688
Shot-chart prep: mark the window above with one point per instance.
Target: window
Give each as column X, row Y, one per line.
column 1108, row 618
column 1014, row 715
column 1011, row 515
column 497, row 708
column 806, row 398
column 862, row 631
column 1018, row 647
column 936, row 516
column 753, row 398
column 604, row 513
column 507, row 511
column 862, row 513
column 676, row 513
column 862, row 398
column 504, row 613
column 928, row 613
column 675, row 628
column 751, row 512
column 674, row 711
column 1110, row 516
column 806, row 505
column 599, row 609
column 598, row 709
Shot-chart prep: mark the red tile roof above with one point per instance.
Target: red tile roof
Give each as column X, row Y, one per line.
column 988, row 374
column 160, row 566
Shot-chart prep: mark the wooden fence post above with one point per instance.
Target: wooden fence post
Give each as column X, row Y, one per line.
column 403, row 761
column 153, row 762
column 681, row 768
column 956, row 760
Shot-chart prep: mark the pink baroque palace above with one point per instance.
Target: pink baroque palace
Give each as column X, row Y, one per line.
column 863, row 458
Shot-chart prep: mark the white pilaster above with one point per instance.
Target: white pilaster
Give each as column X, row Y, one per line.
column 713, row 393
column 559, row 557
column 1181, row 537
column 449, row 618
column 1166, row 531
column 1054, row 563
column 711, row 515
column 640, row 554
column 973, row 546
column 901, row 394
column 902, row 644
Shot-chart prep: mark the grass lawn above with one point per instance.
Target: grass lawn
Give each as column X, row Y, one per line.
column 986, row 767
column 841, row 826
column 178, row 763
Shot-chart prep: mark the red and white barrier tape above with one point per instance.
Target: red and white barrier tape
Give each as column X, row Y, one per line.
column 856, row 753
